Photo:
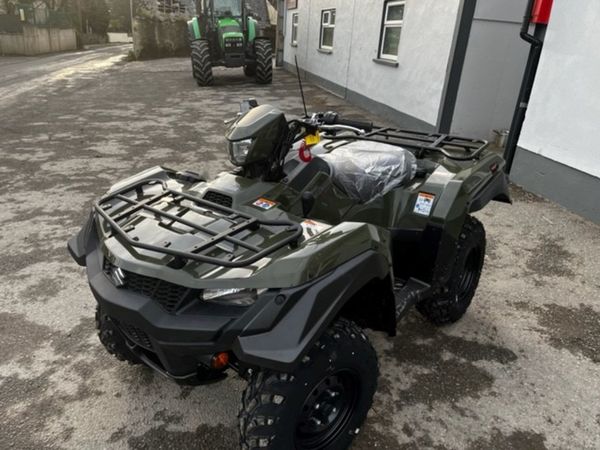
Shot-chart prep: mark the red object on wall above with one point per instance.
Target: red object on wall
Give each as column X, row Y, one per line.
column 541, row 11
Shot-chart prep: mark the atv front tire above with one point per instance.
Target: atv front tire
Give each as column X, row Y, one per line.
column 201, row 63
column 322, row 405
column 455, row 297
column 112, row 339
column 264, row 61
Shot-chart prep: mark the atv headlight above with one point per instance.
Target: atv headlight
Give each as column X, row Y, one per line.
column 238, row 151
column 232, row 296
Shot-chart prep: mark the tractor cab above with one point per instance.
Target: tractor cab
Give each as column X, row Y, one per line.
column 227, row 8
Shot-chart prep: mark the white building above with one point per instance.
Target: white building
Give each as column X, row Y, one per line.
column 457, row 66
column 409, row 60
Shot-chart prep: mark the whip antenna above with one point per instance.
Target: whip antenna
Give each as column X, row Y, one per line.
column 300, row 84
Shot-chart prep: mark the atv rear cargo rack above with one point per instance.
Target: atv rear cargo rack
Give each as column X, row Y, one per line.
column 421, row 141
column 289, row 234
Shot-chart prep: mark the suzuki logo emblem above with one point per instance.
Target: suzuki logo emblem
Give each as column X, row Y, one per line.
column 118, row 276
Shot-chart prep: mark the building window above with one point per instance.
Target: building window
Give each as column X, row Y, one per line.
column 295, row 29
column 393, row 19
column 327, row 27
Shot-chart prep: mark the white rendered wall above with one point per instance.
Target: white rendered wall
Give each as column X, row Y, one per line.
column 415, row 87
column 334, row 66
column 563, row 118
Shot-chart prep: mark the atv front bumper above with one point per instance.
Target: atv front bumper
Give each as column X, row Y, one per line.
column 274, row 333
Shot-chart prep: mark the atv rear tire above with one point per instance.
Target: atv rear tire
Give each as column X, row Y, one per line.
column 322, row 405
column 201, row 63
column 250, row 70
column 264, row 61
column 112, row 339
column 457, row 294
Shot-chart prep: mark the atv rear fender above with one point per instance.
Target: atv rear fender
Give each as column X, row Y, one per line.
column 447, row 220
column 432, row 248
column 495, row 189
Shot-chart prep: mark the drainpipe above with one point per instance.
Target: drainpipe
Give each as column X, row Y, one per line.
column 535, row 51
column 281, row 13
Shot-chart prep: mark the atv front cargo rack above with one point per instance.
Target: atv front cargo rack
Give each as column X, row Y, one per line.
column 421, row 141
column 287, row 232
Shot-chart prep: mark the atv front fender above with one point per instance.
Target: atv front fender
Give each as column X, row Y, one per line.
column 301, row 314
column 78, row 244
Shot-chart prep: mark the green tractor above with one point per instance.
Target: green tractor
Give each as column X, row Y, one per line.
column 225, row 34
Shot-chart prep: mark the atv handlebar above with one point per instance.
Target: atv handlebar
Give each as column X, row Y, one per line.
column 367, row 126
column 332, row 118
column 325, row 121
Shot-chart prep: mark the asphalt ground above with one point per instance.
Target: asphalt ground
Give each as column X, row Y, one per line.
column 520, row 370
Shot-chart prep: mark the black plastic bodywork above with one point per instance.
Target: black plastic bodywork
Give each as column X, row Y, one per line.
column 496, row 189
column 273, row 333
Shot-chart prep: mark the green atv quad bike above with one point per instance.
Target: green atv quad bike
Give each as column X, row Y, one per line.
column 326, row 226
column 224, row 34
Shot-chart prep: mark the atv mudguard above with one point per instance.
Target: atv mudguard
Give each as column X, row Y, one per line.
column 496, row 189
column 457, row 200
column 302, row 314
column 80, row 244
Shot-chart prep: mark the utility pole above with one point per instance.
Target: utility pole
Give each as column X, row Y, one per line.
column 80, row 16
column 131, row 15
column 281, row 7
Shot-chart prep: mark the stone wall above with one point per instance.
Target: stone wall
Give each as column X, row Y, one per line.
column 34, row 41
column 160, row 37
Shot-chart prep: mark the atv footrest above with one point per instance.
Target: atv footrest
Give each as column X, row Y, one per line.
column 408, row 293
column 225, row 243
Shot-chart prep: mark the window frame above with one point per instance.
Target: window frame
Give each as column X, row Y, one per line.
column 385, row 24
column 294, row 33
column 324, row 25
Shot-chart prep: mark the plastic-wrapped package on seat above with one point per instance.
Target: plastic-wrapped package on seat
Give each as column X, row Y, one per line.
column 366, row 170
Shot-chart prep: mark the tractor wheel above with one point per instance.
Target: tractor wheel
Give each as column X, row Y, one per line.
column 201, row 63
column 112, row 339
column 455, row 297
column 322, row 405
column 250, row 70
column 264, row 61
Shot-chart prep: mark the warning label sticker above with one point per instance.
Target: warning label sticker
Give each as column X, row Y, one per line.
column 264, row 203
column 312, row 228
column 424, row 204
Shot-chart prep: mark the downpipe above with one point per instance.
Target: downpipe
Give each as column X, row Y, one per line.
column 536, row 42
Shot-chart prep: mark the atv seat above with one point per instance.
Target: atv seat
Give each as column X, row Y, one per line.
column 366, row 170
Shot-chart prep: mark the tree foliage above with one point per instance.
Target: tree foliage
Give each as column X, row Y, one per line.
column 120, row 15
column 95, row 15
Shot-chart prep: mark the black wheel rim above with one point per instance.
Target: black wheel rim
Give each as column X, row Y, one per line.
column 468, row 276
column 327, row 410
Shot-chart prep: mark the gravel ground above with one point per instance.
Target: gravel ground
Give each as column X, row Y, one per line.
column 520, row 370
